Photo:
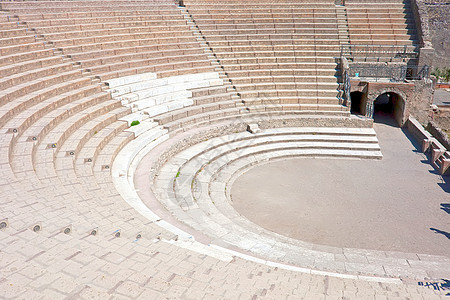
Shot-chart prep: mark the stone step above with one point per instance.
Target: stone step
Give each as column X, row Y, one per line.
column 142, row 127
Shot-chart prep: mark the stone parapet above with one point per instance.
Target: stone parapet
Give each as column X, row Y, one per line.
column 438, row 132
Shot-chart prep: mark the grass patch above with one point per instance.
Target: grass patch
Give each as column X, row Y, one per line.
column 135, row 122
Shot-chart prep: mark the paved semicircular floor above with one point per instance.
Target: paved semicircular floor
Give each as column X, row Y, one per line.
column 393, row 204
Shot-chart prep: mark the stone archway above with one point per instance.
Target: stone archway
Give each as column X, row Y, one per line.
column 387, row 102
column 389, row 105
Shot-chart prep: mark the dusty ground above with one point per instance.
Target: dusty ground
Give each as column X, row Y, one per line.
column 398, row 203
column 441, row 97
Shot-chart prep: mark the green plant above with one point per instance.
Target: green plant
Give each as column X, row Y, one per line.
column 447, row 75
column 135, row 122
column 437, row 73
column 178, row 174
column 442, row 74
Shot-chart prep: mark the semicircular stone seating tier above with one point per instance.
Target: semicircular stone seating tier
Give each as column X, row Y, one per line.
column 60, row 129
column 114, row 41
column 194, row 184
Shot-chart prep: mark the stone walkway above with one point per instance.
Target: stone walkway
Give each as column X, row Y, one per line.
column 442, row 97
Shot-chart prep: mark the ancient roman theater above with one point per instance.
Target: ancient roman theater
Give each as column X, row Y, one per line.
column 224, row 149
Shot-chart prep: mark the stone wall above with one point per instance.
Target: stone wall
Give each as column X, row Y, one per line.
column 420, row 100
column 441, row 117
column 416, row 129
column 433, row 23
column 441, row 44
column 417, row 96
column 440, row 135
column 420, row 13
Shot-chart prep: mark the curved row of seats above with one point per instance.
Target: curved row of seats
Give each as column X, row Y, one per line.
column 194, row 184
column 278, row 53
column 107, row 44
column 380, row 24
column 381, row 28
column 112, row 41
column 60, row 130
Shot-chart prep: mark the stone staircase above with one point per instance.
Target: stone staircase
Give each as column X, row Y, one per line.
column 211, row 56
column 262, row 51
column 342, row 23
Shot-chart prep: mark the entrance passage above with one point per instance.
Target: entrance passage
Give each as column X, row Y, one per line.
column 356, row 100
column 389, row 105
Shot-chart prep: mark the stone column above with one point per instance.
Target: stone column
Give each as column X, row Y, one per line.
column 369, row 109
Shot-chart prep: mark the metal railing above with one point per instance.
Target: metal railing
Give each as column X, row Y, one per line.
column 392, row 73
column 379, row 52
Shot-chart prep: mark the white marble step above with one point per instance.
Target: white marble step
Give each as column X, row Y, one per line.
column 356, row 135
column 137, row 116
column 143, row 127
column 209, row 210
column 187, row 172
column 269, row 143
column 116, row 82
column 142, row 101
column 156, row 86
column 173, row 105
column 327, row 130
column 155, row 96
column 154, row 136
column 205, row 158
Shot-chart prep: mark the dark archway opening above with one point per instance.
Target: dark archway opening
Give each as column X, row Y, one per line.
column 356, row 100
column 389, row 108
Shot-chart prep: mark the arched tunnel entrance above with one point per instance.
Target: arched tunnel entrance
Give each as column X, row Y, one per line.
column 389, row 107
